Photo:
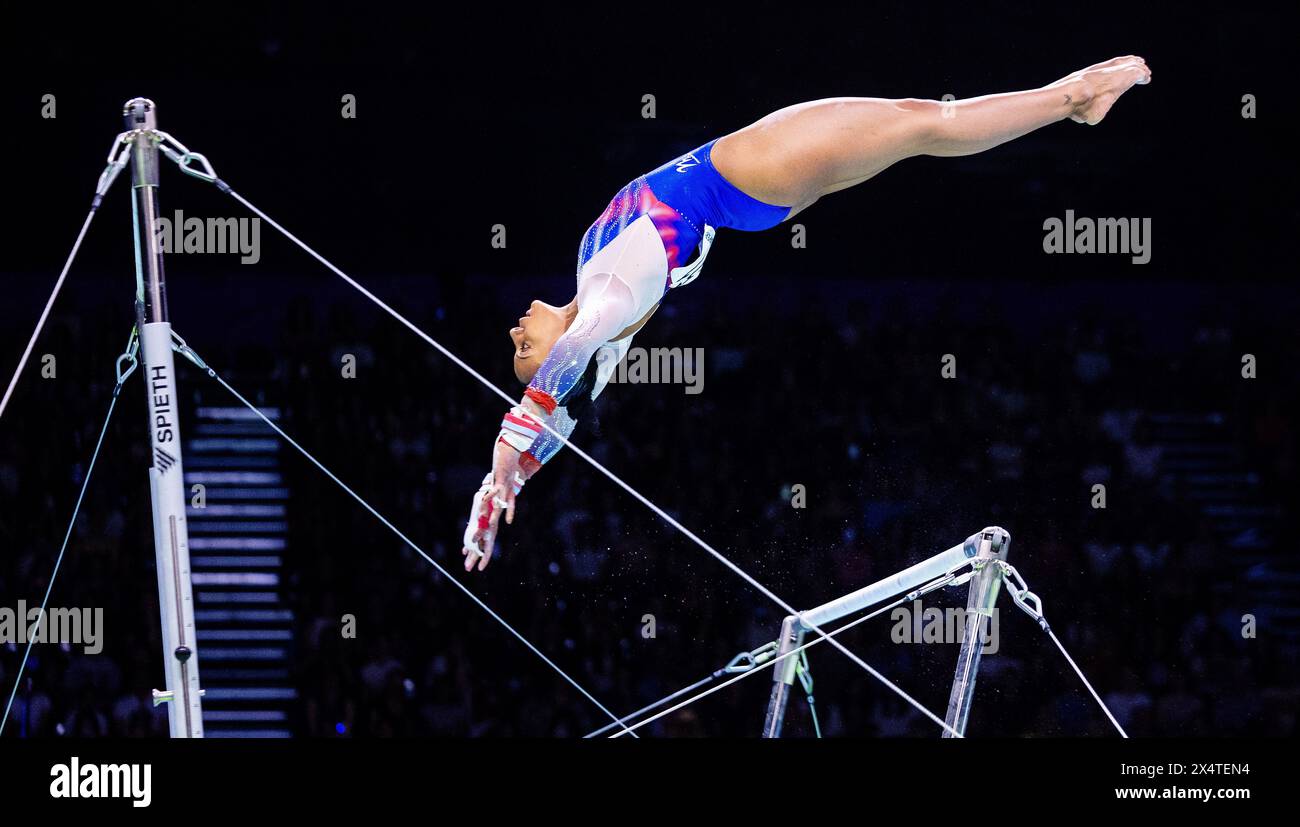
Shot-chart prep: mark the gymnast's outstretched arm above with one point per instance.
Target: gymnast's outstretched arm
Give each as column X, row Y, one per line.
column 793, row 157
column 536, row 429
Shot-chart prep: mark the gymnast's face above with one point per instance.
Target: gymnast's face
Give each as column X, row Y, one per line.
column 537, row 332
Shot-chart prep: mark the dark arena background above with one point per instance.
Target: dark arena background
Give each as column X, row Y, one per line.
column 890, row 371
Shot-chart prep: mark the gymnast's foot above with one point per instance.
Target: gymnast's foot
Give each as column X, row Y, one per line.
column 1093, row 91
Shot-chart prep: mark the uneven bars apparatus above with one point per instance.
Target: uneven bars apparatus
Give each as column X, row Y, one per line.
column 166, row 472
column 979, row 551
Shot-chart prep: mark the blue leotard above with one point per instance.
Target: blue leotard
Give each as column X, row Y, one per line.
column 640, row 247
column 681, row 197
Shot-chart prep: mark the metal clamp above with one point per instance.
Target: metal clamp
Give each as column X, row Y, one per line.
column 161, row 697
column 183, row 157
column 128, row 358
column 804, row 673
column 1028, row 602
column 117, row 161
column 954, row 579
column 179, row 345
column 746, row 661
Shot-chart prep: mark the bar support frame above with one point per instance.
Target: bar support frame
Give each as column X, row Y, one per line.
column 981, row 603
column 166, row 468
column 980, row 550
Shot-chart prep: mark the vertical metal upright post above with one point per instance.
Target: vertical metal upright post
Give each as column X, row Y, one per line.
column 981, row 603
column 166, row 473
column 792, row 634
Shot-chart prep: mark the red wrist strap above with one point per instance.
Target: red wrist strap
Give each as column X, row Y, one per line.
column 542, row 398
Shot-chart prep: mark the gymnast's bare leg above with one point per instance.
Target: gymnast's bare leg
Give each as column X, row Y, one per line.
column 793, row 157
column 798, row 154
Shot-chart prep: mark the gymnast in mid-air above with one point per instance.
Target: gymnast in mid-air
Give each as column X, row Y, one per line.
column 655, row 234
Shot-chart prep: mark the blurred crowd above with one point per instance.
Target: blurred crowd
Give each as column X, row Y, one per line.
column 827, row 449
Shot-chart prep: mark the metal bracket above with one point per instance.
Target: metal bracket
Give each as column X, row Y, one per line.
column 162, row 697
column 179, row 346
column 183, row 157
column 117, row 161
column 747, row 661
column 129, row 357
column 1028, row 602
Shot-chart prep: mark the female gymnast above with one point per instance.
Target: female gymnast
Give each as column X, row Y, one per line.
column 656, row 233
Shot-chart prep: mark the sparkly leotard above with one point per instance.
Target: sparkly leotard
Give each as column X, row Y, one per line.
column 639, row 248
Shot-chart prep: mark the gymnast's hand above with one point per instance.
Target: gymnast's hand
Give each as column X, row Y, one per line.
column 498, row 494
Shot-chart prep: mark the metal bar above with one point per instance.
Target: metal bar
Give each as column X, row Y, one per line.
column 988, row 542
column 985, row 584
column 892, row 586
column 166, row 472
